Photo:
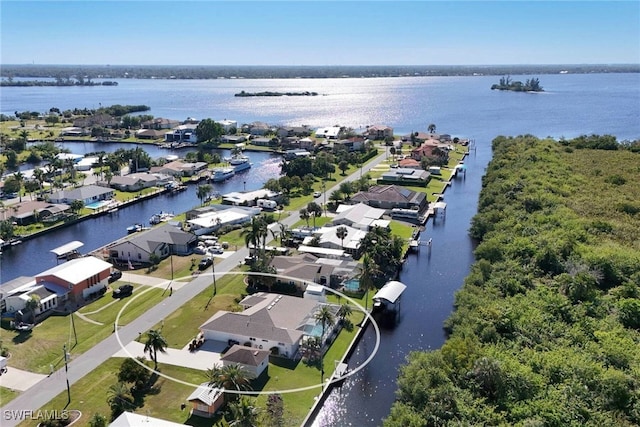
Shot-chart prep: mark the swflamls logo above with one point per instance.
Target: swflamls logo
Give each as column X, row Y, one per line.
column 40, row 415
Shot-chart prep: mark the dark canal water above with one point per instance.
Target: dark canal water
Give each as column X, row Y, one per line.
column 33, row 256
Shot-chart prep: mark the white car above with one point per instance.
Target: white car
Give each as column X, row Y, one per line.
column 317, row 194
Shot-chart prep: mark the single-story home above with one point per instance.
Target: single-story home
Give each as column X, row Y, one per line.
column 328, row 238
column 301, row 270
column 79, row 277
column 406, row 176
column 28, row 212
column 250, row 198
column 390, row 197
column 149, row 134
column 273, row 322
column 134, row 181
column 360, row 216
column 205, row 401
column 212, row 220
column 253, row 361
column 162, row 240
column 87, row 194
column 233, row 139
column 331, row 132
column 131, row 419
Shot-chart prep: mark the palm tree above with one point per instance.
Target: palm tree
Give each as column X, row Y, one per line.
column 341, row 233
column 229, row 377
column 19, row 177
column 326, row 318
column 315, row 210
column 119, row 398
column 203, row 192
column 244, row 413
column 155, row 343
column 369, row 271
column 31, row 305
column 256, row 233
column 38, row 174
column 345, row 311
column 304, row 214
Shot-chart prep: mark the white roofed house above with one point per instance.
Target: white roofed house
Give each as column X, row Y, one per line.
column 182, row 133
column 211, row 220
column 360, row 216
column 326, row 237
column 163, row 241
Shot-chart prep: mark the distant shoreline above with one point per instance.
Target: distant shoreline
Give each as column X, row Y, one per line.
column 186, row 72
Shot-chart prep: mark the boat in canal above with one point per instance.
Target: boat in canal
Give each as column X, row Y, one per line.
column 240, row 162
column 134, row 228
column 160, row 217
column 222, row 174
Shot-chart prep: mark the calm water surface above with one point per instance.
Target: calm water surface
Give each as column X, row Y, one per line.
column 462, row 106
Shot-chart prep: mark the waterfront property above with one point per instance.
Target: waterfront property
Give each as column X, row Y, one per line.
column 326, row 237
column 302, row 269
column 252, row 361
column 250, row 198
column 209, row 219
column 360, row 216
column 391, row 196
column 29, row 212
column 268, row 321
column 87, row 194
column 162, row 241
column 406, row 176
column 67, row 284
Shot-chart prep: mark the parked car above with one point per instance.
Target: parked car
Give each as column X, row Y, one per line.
column 205, row 263
column 317, row 194
column 123, row 291
column 115, row 275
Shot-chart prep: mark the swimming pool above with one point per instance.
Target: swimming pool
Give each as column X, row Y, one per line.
column 98, row 204
column 352, row 285
column 314, row 330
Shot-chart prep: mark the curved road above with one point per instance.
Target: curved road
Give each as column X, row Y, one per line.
column 43, row 392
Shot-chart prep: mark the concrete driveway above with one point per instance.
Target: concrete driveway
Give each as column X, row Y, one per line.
column 17, row 379
column 202, row 359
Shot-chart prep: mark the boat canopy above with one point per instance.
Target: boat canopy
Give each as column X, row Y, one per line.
column 390, row 292
column 66, row 248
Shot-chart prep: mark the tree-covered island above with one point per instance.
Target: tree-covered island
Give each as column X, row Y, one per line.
column 531, row 85
column 269, row 93
column 59, row 82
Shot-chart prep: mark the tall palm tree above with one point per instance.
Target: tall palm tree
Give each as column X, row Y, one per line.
column 203, row 192
column 229, row 377
column 345, row 311
column 31, row 305
column 304, row 214
column 256, row 234
column 38, row 174
column 341, row 233
column 155, row 343
column 326, row 318
column 119, row 398
column 19, row 177
column 244, row 413
column 369, row 271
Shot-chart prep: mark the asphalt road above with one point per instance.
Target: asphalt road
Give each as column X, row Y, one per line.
column 79, row 366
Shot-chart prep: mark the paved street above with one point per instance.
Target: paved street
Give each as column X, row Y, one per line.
column 47, row 388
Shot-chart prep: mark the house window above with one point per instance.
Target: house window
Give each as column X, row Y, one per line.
column 139, row 256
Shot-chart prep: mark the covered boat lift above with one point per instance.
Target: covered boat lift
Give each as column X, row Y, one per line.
column 388, row 297
column 68, row 251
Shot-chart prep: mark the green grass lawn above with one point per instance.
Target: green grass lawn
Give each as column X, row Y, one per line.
column 37, row 349
column 6, row 395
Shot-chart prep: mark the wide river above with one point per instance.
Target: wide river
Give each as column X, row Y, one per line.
column 571, row 105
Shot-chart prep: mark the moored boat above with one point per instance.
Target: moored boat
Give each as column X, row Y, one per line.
column 221, row 174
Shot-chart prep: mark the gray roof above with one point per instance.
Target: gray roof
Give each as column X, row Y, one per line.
column 205, row 394
column 164, row 233
column 81, row 193
column 274, row 317
column 245, row 355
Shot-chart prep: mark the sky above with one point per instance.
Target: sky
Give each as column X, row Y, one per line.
column 201, row 32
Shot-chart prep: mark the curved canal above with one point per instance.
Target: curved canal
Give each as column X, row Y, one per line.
column 33, row 256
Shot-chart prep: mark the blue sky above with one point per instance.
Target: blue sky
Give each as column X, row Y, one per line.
column 137, row 32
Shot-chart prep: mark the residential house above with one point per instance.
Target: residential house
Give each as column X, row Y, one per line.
column 331, row 132
column 326, row 237
column 150, row 134
column 390, row 197
column 182, row 133
column 228, row 125
column 256, row 128
column 360, row 216
column 252, row 361
column 405, row 176
column 134, row 181
column 213, row 219
column 87, row 194
column 300, row 270
column 233, row 139
column 409, row 163
column 250, row 198
column 131, row 419
column 273, row 322
column 180, row 168
column 429, row 149
column 76, row 279
column 297, row 131
column 159, row 124
column 355, row 143
column 74, row 131
column 307, row 143
column 377, row 132
column 205, row 401
column 162, row 241
column 103, row 120
column 263, row 141
column 29, row 212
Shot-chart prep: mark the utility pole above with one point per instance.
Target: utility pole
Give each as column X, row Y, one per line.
column 66, row 371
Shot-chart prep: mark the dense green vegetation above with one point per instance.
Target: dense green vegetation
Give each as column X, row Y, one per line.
column 531, row 85
column 546, row 329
